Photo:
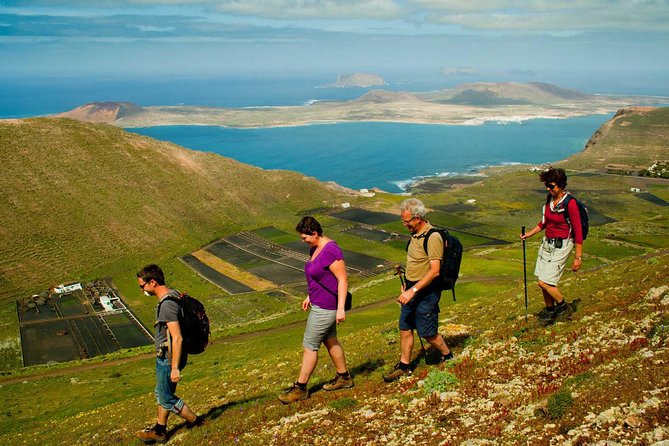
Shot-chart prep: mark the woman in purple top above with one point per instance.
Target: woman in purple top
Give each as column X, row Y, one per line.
column 327, row 285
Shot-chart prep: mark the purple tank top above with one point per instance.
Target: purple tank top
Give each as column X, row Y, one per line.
column 317, row 270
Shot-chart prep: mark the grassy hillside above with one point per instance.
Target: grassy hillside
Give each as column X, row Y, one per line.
column 82, row 200
column 636, row 137
column 601, row 376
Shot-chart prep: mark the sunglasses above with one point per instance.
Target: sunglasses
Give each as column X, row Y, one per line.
column 550, row 186
column 143, row 285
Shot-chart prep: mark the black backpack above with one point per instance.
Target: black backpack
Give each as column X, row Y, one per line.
column 582, row 211
column 193, row 322
column 450, row 264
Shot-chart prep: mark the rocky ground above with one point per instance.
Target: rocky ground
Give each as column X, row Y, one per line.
column 600, row 378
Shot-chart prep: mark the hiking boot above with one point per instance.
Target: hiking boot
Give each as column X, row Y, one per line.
column 199, row 421
column 563, row 313
column 396, row 374
column 149, row 435
column 546, row 313
column 445, row 358
column 547, row 318
column 293, row 394
column 339, row 382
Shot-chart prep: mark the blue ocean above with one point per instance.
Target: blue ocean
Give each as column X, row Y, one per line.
column 356, row 155
column 385, row 155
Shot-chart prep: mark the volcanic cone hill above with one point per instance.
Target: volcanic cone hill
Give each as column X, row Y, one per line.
column 507, row 93
column 102, row 111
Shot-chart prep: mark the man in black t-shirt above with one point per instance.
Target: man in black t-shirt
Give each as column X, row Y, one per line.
column 170, row 357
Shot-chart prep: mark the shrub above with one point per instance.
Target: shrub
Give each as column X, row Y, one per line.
column 579, row 379
column 343, row 403
column 439, row 381
column 559, row 403
column 659, row 329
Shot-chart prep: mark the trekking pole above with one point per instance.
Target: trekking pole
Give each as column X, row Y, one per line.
column 401, row 273
column 422, row 347
column 522, row 231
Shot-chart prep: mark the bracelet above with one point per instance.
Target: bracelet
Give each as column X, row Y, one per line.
column 578, row 258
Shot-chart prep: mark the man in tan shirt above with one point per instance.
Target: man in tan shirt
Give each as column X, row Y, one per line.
column 420, row 296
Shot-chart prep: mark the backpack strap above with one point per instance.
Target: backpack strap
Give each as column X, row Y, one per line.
column 565, row 204
column 427, row 236
column 326, row 288
column 173, row 298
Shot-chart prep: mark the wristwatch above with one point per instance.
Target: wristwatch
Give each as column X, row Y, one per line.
column 414, row 289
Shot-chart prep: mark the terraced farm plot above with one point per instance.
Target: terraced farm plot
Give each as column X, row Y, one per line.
column 214, row 276
column 248, row 261
column 366, row 217
column 125, row 330
column 357, row 263
column 260, row 257
column 69, row 305
column 456, row 207
column 64, row 327
column 258, row 263
column 44, row 312
column 376, row 235
column 447, row 220
column 652, row 198
column 66, row 339
column 389, row 225
column 596, row 218
column 48, row 341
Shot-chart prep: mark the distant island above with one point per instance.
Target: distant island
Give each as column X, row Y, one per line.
column 357, row 80
column 468, row 104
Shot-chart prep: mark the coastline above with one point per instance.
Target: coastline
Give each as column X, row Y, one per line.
column 380, row 108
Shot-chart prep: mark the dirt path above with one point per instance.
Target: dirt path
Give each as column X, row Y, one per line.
column 232, row 338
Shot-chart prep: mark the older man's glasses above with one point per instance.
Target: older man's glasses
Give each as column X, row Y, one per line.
column 406, row 222
column 550, row 186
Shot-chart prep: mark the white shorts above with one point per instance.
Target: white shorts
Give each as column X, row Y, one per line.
column 551, row 261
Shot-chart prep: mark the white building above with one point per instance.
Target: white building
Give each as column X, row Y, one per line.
column 106, row 303
column 62, row 289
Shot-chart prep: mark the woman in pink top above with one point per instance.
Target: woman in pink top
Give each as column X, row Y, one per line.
column 327, row 285
column 560, row 239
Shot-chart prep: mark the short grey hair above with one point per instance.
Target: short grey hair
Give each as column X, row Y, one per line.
column 415, row 206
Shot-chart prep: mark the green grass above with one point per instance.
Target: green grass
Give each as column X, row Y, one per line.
column 558, row 404
column 225, row 381
column 439, row 381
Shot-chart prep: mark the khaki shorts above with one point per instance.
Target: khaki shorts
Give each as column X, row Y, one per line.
column 551, row 261
column 321, row 325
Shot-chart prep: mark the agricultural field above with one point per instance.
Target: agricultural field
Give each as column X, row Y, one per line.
column 59, row 328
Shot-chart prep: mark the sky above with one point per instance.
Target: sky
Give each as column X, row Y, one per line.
column 399, row 40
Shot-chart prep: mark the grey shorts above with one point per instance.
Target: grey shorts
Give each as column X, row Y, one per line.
column 321, row 325
column 551, row 261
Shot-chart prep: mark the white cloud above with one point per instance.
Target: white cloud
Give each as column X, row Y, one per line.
column 557, row 15
column 313, row 9
column 154, row 29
